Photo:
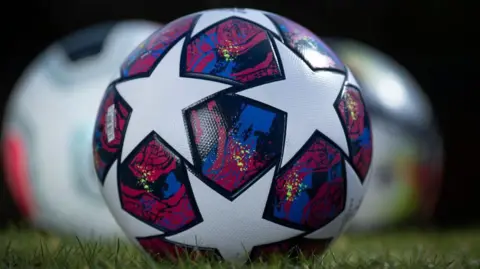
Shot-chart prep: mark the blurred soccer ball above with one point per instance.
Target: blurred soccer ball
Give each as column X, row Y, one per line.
column 407, row 157
column 48, row 125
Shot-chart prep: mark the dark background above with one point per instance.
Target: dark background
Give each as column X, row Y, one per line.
column 428, row 37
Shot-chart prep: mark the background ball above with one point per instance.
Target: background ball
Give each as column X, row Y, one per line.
column 408, row 152
column 48, row 126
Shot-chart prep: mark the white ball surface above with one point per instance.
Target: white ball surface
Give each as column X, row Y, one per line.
column 235, row 131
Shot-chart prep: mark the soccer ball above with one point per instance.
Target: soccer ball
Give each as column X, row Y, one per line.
column 48, row 124
column 236, row 132
column 407, row 159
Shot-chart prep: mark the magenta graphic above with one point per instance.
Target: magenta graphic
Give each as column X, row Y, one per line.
column 294, row 247
column 356, row 122
column 159, row 248
column 234, row 50
column 152, row 187
column 145, row 57
column 235, row 141
column 310, row 191
column 306, row 44
column 110, row 127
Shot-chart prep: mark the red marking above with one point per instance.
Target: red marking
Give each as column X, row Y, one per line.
column 170, row 214
column 121, row 114
column 354, row 116
column 17, row 177
column 237, row 38
column 197, row 129
column 268, row 67
column 329, row 197
column 155, row 159
column 362, row 160
column 326, row 202
column 314, row 160
column 354, row 113
column 225, row 171
column 144, row 57
column 154, row 163
column 212, row 105
column 106, row 151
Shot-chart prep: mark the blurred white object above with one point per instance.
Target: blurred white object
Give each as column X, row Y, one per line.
column 48, row 128
column 407, row 152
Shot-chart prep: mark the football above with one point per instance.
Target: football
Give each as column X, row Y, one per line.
column 408, row 150
column 235, row 132
column 47, row 129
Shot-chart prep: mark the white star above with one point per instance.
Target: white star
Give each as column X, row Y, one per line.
column 233, row 227
column 308, row 99
column 157, row 102
column 130, row 224
column 211, row 17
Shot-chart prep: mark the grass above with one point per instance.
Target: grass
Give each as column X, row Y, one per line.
column 24, row 248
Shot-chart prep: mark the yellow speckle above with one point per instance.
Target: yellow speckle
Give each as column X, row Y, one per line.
column 352, row 107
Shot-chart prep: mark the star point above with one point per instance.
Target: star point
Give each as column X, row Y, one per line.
column 307, row 97
column 158, row 102
column 233, row 227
